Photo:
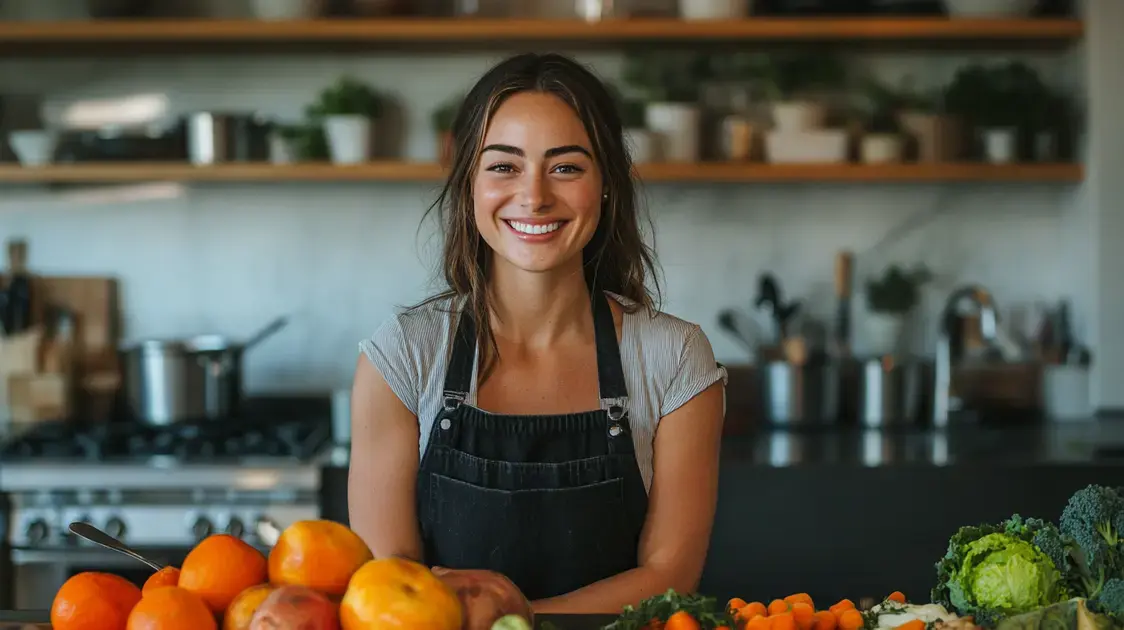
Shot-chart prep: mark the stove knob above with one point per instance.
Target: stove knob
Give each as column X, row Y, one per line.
column 115, row 527
column 202, row 528
column 235, row 527
column 37, row 531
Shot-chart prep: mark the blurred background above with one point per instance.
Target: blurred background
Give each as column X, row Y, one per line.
column 895, row 216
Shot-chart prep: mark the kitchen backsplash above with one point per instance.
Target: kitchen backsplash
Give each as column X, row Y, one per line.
column 338, row 258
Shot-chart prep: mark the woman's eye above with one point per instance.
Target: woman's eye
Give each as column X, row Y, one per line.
column 568, row 169
column 502, row 167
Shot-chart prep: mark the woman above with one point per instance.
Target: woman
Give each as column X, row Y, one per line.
column 540, row 419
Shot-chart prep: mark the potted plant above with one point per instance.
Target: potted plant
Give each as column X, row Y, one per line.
column 346, row 110
column 795, row 83
column 443, row 118
column 636, row 134
column 994, row 101
column 890, row 299
column 668, row 82
column 882, row 138
column 921, row 116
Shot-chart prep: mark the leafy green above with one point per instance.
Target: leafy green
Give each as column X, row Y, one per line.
column 705, row 610
column 993, row 571
column 1110, row 601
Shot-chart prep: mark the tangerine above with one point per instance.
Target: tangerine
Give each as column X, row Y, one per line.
column 220, row 567
column 94, row 601
column 168, row 576
column 242, row 609
column 171, row 608
column 398, row 593
column 322, row 555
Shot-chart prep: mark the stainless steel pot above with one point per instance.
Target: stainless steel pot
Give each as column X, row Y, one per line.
column 893, row 393
column 799, row 395
column 216, row 138
column 169, row 381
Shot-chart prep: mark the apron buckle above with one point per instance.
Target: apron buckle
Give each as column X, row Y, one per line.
column 452, row 400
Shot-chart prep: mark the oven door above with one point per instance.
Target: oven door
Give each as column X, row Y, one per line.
column 38, row 573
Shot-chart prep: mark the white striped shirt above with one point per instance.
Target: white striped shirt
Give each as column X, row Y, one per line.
column 667, row 361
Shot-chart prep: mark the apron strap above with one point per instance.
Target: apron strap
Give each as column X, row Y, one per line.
column 610, row 370
column 458, row 376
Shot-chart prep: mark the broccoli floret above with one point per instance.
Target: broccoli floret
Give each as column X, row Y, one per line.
column 1047, row 537
column 1110, row 601
column 1093, row 518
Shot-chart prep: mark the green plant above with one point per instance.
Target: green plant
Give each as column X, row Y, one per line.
column 882, row 107
column 631, row 110
column 347, row 97
column 444, row 116
column 794, row 75
column 897, row 291
column 994, row 96
column 666, row 76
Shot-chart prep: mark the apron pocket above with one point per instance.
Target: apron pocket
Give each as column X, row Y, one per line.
column 548, row 542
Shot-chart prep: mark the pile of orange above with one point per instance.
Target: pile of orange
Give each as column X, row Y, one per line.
column 798, row 612
column 319, row 574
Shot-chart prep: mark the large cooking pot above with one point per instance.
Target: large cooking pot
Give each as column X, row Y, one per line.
column 169, row 381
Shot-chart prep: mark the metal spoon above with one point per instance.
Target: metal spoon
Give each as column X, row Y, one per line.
column 98, row 537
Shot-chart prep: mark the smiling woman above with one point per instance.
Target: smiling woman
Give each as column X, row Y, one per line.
column 540, row 420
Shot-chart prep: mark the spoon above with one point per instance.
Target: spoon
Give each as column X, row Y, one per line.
column 98, row 537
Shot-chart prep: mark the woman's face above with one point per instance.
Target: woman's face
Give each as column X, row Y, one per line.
column 537, row 190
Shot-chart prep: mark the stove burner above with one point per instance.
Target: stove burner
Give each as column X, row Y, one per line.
column 298, row 439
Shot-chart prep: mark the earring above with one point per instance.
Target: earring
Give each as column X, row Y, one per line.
column 605, row 196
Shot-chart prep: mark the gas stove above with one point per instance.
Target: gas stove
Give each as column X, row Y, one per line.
column 236, row 440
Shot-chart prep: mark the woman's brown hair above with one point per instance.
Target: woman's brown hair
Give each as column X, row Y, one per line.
column 616, row 259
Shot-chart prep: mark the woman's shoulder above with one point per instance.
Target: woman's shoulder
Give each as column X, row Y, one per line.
column 658, row 330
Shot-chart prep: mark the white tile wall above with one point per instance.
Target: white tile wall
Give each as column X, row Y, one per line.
column 339, row 257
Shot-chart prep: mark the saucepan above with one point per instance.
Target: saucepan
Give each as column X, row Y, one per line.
column 184, row 380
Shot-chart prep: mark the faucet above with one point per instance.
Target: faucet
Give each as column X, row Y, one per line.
column 943, row 400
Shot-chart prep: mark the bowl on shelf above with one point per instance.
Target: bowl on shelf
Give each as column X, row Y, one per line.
column 989, row 8
column 33, row 147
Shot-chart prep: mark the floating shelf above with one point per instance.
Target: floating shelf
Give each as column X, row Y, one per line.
column 710, row 172
column 195, row 34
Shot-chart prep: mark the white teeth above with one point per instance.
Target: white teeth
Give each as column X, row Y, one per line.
column 528, row 228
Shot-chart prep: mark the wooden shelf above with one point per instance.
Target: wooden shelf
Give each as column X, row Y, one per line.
column 196, row 33
column 649, row 173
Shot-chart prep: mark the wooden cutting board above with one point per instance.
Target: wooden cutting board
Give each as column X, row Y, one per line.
column 93, row 301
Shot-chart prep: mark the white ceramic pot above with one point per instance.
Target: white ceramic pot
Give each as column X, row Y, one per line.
column 989, row 8
column 883, row 332
column 282, row 9
column 713, row 9
column 881, row 148
column 798, row 115
column 33, row 147
column 640, row 145
column 349, row 138
column 1000, row 145
column 825, row 146
column 676, row 125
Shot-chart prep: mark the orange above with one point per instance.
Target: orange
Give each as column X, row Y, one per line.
column 242, row 609
column 783, row 621
column 397, row 593
column 753, row 609
column 171, row 608
column 322, row 555
column 735, row 604
column 804, row 615
column 681, row 620
column 168, row 576
column 94, row 601
column 824, row 620
column 797, row 598
column 778, row 606
column 758, row 622
column 220, row 567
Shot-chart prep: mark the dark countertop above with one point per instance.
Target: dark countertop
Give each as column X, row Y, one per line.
column 16, row 620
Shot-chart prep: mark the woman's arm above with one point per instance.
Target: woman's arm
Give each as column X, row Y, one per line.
column 681, row 508
column 384, row 467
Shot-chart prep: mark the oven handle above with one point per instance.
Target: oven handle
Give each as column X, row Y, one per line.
column 90, row 556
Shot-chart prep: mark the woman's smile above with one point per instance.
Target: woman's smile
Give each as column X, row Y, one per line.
column 535, row 230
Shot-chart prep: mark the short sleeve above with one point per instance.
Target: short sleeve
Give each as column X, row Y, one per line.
column 697, row 371
column 390, row 354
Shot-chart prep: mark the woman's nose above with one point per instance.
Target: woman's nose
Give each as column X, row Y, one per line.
column 536, row 190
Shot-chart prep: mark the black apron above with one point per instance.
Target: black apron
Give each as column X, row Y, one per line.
column 554, row 502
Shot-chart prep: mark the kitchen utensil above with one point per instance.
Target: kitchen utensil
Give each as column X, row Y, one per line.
column 770, row 298
column 799, row 395
column 215, row 138
column 892, row 393
column 729, row 321
column 98, row 537
column 168, row 381
column 844, row 265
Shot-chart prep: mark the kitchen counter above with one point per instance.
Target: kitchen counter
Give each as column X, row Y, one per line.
column 18, row 620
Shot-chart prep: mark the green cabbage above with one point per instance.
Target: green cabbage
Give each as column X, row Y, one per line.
column 1007, row 574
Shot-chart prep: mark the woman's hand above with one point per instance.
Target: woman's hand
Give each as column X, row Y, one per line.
column 485, row 596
